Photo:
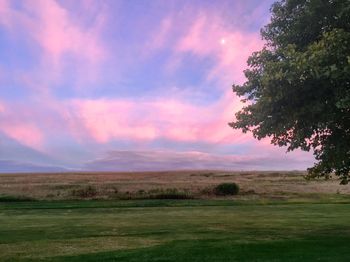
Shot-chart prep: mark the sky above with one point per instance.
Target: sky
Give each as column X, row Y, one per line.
column 129, row 86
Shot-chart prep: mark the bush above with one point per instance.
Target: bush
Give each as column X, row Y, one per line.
column 226, row 189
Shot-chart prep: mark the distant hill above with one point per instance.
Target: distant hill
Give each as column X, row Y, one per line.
column 36, row 161
column 10, row 166
column 163, row 160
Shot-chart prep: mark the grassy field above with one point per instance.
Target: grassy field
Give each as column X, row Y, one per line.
column 266, row 222
column 197, row 184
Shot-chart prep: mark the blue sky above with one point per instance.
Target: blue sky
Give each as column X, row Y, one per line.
column 83, row 82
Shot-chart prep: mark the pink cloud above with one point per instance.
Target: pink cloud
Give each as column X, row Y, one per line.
column 58, row 35
column 65, row 43
column 32, row 124
column 105, row 120
column 2, row 108
column 53, row 28
column 5, row 13
column 160, row 37
column 208, row 36
column 26, row 133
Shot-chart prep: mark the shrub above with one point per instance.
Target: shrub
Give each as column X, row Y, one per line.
column 226, row 189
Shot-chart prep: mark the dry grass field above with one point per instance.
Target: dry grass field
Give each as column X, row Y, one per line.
column 197, row 184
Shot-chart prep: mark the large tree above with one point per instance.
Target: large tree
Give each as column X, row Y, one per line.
column 298, row 86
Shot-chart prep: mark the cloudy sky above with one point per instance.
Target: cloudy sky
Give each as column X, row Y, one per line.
column 129, row 85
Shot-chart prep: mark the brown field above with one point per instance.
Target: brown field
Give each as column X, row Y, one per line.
column 197, row 184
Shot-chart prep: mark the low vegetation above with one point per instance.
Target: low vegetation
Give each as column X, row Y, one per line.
column 91, row 192
column 86, row 192
column 225, row 189
column 7, row 198
column 163, row 185
column 170, row 193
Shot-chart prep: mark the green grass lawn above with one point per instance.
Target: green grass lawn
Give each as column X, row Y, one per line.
column 169, row 230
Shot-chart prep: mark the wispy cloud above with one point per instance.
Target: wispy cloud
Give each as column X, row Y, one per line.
column 208, row 36
column 106, row 120
column 160, row 37
column 59, row 35
column 56, row 37
column 88, row 77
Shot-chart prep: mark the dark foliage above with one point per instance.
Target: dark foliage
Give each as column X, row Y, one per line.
column 298, row 87
column 226, row 189
column 6, row 198
column 170, row 193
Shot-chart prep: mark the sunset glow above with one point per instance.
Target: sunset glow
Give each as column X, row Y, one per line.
column 83, row 81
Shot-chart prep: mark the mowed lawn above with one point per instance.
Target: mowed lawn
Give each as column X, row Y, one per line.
column 169, row 230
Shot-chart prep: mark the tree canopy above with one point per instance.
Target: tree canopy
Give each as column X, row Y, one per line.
column 298, row 86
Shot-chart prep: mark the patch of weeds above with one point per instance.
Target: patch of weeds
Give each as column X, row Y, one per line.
column 172, row 196
column 141, row 192
column 50, row 195
column 207, row 191
column 86, row 192
column 172, row 193
column 111, row 192
column 126, row 196
column 156, row 193
column 249, row 192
